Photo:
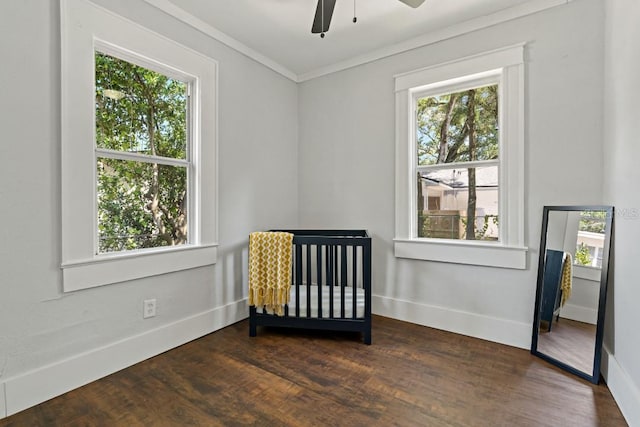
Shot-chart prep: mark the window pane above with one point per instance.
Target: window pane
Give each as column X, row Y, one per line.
column 448, row 198
column 140, row 205
column 590, row 243
column 139, row 110
column 458, row 127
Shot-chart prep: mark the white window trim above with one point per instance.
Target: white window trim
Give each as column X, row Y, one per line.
column 85, row 28
column 507, row 65
column 587, row 272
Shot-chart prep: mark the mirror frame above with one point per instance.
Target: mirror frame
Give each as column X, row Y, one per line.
column 595, row 373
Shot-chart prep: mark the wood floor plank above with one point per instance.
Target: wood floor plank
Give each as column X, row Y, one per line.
column 410, row 376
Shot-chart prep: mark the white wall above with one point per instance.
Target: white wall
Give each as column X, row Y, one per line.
column 583, row 303
column 556, row 230
column 346, row 157
column 346, row 179
column 50, row 341
column 622, row 177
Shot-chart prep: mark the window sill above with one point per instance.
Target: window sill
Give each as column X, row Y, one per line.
column 108, row 269
column 462, row 252
column 587, row 273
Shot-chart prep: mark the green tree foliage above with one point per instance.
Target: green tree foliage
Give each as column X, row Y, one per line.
column 141, row 204
column 459, row 127
column 592, row 221
column 443, row 124
column 583, row 257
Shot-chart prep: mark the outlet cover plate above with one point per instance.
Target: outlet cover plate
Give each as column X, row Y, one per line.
column 148, row 308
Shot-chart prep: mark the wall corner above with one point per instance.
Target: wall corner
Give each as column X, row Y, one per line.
column 3, row 402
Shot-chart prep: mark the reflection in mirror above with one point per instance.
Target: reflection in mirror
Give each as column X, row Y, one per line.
column 572, row 274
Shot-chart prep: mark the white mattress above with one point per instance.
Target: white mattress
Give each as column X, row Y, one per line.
column 337, row 306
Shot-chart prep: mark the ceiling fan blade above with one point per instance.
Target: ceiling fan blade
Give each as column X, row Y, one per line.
column 412, row 3
column 321, row 25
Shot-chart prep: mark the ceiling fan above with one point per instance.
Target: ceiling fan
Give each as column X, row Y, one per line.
column 324, row 12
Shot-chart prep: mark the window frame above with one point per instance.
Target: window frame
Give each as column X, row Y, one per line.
column 506, row 67
column 87, row 29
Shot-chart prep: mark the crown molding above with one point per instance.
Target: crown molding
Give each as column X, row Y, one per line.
column 514, row 12
column 465, row 27
column 180, row 14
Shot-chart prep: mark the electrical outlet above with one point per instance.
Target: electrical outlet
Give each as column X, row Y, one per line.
column 148, row 308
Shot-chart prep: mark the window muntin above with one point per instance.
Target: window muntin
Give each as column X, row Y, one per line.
column 457, row 153
column 142, row 156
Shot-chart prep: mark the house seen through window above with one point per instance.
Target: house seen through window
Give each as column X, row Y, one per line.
column 142, row 157
column 458, row 164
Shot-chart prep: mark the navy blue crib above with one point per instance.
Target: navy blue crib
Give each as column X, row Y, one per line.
column 331, row 284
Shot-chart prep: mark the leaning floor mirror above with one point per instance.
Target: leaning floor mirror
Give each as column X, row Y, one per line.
column 571, row 292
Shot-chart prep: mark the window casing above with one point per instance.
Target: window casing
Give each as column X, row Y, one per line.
column 504, row 68
column 87, row 29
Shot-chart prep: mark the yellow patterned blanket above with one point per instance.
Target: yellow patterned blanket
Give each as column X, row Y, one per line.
column 567, row 278
column 270, row 261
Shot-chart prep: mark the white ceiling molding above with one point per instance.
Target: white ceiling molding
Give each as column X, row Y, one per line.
column 520, row 10
column 438, row 35
column 171, row 9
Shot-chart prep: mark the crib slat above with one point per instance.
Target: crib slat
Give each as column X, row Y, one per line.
column 343, row 279
column 354, row 282
column 331, row 276
column 308, row 268
column 319, row 278
column 298, row 264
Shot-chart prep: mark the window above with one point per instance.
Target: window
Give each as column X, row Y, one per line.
column 590, row 241
column 138, row 151
column 142, row 147
column 459, row 161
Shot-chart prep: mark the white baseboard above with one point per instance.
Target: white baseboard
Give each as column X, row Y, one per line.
column 516, row 334
column 31, row 388
column 3, row 402
column 624, row 391
column 579, row 314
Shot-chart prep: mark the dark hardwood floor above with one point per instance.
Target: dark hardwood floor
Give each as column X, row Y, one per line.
column 410, row 376
column 571, row 342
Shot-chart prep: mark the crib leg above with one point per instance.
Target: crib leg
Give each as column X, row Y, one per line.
column 367, row 337
column 253, row 329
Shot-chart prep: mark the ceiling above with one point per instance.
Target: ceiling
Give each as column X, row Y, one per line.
column 278, row 32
